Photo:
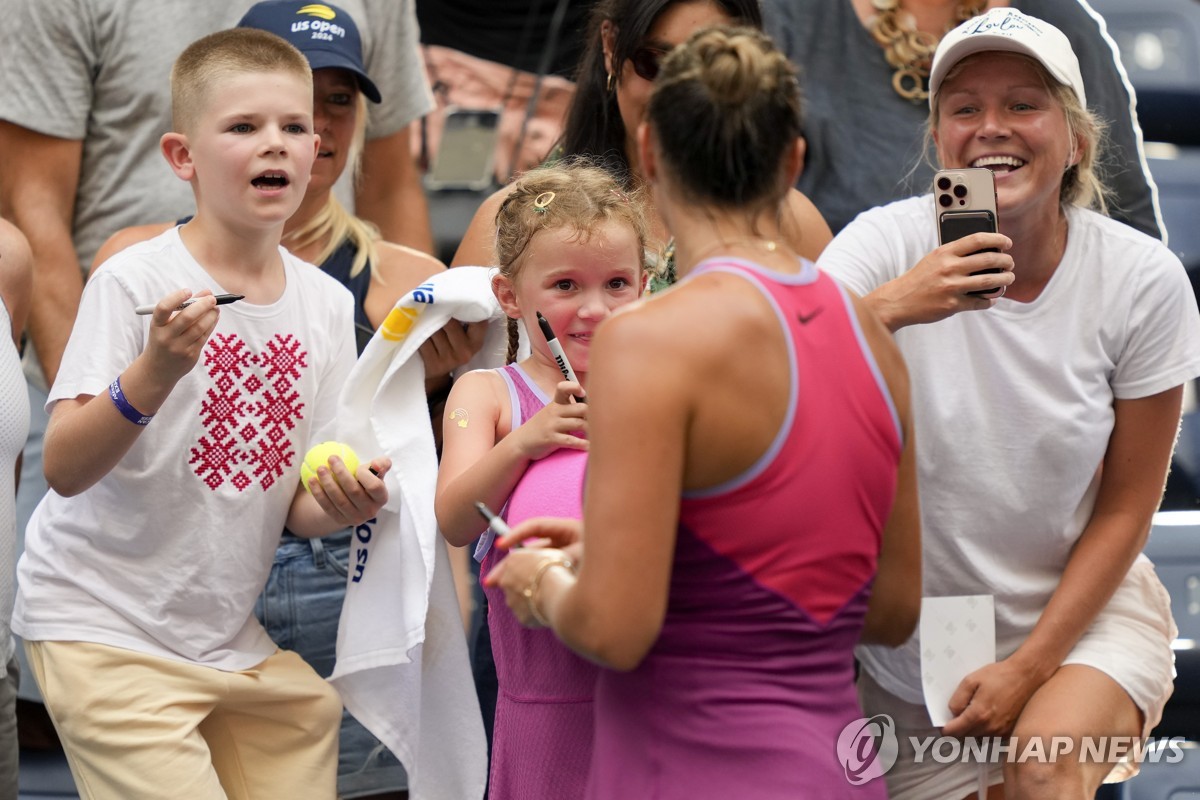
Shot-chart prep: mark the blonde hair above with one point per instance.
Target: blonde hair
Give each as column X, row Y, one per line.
column 1082, row 184
column 222, row 55
column 726, row 109
column 334, row 225
column 572, row 194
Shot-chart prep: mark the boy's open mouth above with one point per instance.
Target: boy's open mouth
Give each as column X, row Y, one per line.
column 270, row 180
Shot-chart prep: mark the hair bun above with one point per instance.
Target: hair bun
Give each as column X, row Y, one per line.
column 734, row 66
column 726, row 108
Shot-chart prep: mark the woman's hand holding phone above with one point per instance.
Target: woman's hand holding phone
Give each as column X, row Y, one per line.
column 941, row 283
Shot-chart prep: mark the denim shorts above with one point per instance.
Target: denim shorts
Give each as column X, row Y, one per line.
column 9, row 754
column 300, row 608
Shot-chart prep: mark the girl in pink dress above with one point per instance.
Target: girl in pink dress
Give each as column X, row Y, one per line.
column 570, row 247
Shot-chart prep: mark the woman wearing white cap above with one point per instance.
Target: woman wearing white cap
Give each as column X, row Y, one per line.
column 1045, row 413
column 863, row 129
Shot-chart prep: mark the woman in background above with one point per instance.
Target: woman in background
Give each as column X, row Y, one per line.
column 627, row 40
column 864, row 129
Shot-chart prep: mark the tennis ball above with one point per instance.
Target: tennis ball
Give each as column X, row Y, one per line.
column 320, row 454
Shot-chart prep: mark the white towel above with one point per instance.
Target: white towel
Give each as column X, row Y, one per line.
column 402, row 666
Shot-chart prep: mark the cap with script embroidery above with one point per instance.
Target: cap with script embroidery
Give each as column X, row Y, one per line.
column 1008, row 30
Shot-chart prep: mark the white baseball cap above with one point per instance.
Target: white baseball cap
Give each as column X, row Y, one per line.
column 1011, row 31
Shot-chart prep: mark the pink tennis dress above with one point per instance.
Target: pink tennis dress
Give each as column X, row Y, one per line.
column 542, row 741
column 752, row 679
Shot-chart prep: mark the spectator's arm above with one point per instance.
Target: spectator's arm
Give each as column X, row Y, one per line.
column 390, row 194
column 126, row 237
column 478, row 245
column 16, row 275
column 1135, row 197
column 39, row 176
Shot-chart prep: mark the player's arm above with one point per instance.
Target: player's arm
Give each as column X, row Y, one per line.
column 895, row 602
column 631, row 508
column 390, row 193
column 39, row 177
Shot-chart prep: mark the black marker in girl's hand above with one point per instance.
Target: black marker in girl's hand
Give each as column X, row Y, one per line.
column 556, row 349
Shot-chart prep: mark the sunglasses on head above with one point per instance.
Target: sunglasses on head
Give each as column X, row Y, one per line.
column 646, row 62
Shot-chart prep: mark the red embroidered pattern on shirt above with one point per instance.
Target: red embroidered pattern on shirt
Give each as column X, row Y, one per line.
column 248, row 411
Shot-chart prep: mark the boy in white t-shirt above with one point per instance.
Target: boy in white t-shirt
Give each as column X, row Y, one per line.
column 173, row 453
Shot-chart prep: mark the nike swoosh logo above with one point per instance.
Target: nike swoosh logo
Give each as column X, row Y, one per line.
column 804, row 319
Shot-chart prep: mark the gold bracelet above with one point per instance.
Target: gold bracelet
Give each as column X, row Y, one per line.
column 535, row 584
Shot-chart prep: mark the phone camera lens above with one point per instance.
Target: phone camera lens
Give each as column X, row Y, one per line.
column 945, row 200
column 960, row 191
column 944, row 184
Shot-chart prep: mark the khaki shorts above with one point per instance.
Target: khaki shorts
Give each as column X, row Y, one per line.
column 140, row 727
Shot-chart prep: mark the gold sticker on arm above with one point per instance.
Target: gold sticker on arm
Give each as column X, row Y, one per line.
column 459, row 414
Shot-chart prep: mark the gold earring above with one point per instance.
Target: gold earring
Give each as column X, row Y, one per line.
column 611, row 77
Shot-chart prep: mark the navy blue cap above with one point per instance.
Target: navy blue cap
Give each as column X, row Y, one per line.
column 325, row 33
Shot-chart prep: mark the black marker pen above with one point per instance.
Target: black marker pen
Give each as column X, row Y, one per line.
column 498, row 526
column 222, row 299
column 556, row 349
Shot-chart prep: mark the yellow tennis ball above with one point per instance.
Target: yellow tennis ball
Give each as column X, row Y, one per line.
column 319, row 455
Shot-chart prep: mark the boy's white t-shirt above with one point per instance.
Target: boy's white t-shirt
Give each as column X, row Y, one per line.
column 167, row 553
column 1013, row 406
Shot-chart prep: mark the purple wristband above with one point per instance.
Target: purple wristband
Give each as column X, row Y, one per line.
column 127, row 411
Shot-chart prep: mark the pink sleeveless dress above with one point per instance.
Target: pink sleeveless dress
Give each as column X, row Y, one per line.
column 542, row 742
column 751, row 680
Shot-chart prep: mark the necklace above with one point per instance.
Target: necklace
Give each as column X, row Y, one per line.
column 769, row 245
column 909, row 51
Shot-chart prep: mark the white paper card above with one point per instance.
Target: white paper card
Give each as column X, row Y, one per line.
column 958, row 636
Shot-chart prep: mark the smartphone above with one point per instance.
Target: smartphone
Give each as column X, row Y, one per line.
column 965, row 203
column 466, row 154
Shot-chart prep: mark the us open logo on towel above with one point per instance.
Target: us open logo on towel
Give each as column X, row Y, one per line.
column 400, row 320
column 867, row 748
column 362, row 549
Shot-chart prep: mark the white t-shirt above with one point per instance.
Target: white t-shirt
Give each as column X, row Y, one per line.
column 14, row 427
column 167, row 552
column 1013, row 406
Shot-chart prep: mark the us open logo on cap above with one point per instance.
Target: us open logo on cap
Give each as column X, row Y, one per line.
column 324, row 31
column 318, row 10
column 867, row 748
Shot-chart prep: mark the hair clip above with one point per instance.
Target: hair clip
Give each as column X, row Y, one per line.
column 543, row 200
column 617, row 193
